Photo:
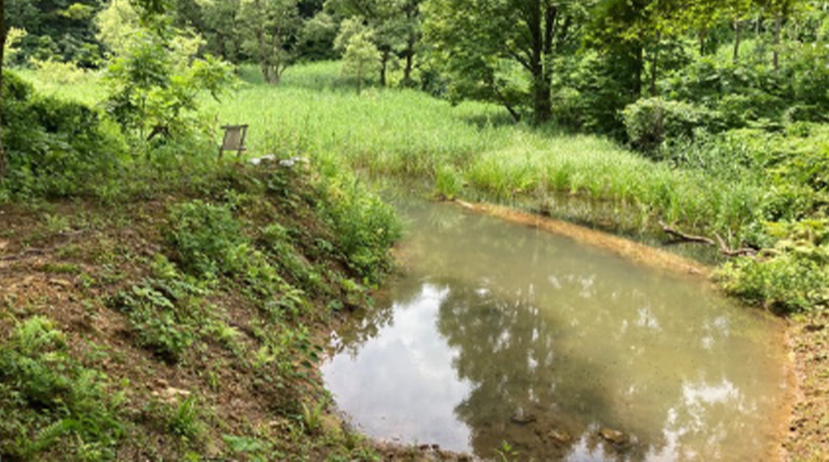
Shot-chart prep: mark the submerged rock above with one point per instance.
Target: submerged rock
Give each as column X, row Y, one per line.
column 559, row 436
column 614, row 436
column 522, row 417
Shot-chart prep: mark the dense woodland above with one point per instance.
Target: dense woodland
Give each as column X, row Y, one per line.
column 700, row 120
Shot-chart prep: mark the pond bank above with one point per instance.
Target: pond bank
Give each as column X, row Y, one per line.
column 808, row 439
column 625, row 248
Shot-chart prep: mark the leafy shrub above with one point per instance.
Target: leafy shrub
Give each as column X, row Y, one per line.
column 806, row 72
column 153, row 95
column 208, row 242
column 588, row 94
column 158, row 323
column 69, row 403
column 748, row 92
column 650, row 122
column 185, row 420
column 791, row 277
column 742, row 91
column 278, row 245
column 364, row 226
column 55, row 147
column 205, row 238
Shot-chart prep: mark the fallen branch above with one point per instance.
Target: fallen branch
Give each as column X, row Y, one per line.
column 685, row 237
column 742, row 252
column 724, row 249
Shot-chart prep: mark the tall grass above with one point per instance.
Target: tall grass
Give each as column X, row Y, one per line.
column 87, row 89
column 316, row 113
column 407, row 133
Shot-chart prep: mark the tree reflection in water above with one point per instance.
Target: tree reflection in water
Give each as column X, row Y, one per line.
column 554, row 343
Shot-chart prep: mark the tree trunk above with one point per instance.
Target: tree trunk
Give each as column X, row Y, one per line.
column 542, row 106
column 3, row 160
column 778, row 24
column 637, row 69
column 220, row 43
column 265, row 72
column 276, row 56
column 737, row 40
column 384, row 63
column 516, row 116
column 407, row 71
column 655, row 64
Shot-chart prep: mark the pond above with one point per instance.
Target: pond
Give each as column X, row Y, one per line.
column 499, row 332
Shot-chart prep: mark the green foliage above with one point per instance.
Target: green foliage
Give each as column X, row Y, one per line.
column 501, row 51
column 208, row 243
column 279, row 246
column 506, row 452
column 793, row 276
column 185, row 419
column 60, row 73
column 165, row 311
column 363, row 225
column 205, row 238
column 749, row 92
column 271, row 30
column 10, row 47
column 254, row 449
column 649, row 122
column 54, row 147
column 448, row 182
column 586, row 96
column 51, row 403
column 361, row 57
column 61, row 30
column 312, row 416
column 161, row 322
column 741, row 92
column 118, row 26
column 152, row 96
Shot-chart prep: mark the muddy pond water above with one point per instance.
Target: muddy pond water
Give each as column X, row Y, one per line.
column 500, row 332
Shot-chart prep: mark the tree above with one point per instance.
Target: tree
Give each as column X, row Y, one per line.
column 271, row 29
column 395, row 26
column 485, row 45
column 781, row 11
column 621, row 30
column 361, row 57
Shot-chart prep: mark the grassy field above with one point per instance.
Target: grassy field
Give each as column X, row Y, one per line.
column 463, row 148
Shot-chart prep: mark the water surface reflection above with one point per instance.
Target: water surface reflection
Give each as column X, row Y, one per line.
column 502, row 333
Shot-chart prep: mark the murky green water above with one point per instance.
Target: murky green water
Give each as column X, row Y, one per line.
column 500, row 332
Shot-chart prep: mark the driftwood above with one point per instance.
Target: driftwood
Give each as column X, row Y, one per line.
column 742, row 252
column 685, row 237
column 720, row 242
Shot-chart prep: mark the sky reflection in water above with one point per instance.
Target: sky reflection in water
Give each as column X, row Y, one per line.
column 500, row 332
